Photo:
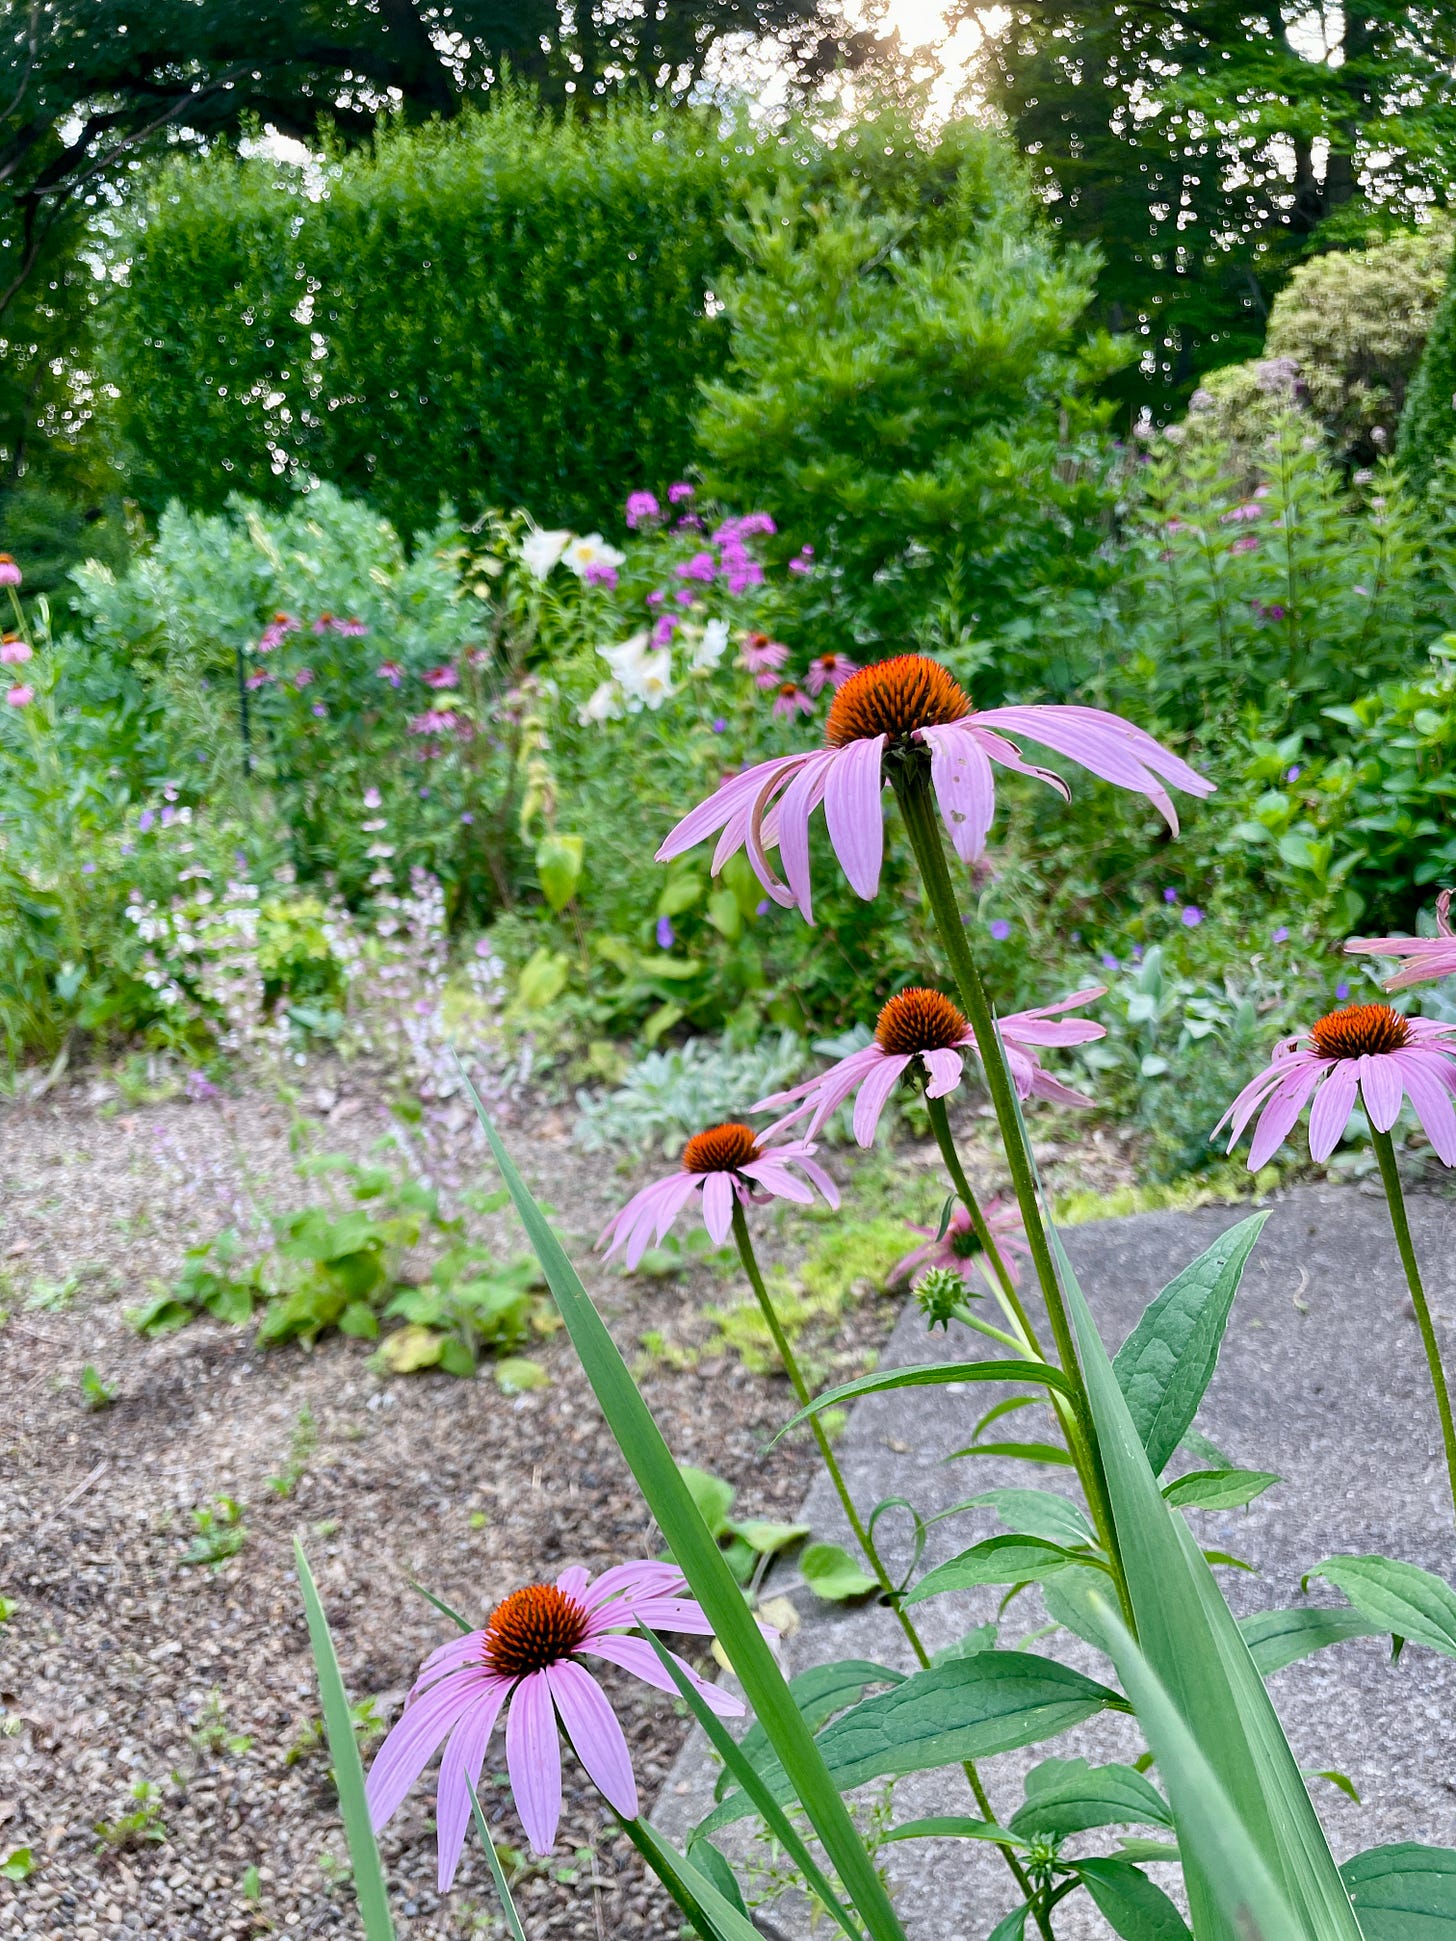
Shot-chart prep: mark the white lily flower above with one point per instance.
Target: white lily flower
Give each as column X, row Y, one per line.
column 592, row 550
column 604, row 705
column 713, row 645
column 652, row 681
column 627, row 657
column 541, row 549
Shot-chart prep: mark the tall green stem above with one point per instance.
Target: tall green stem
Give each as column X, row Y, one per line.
column 862, row 1534
column 940, row 1126
column 912, row 787
column 1390, row 1179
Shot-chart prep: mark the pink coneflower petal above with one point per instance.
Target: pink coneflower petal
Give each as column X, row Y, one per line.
column 727, row 1162
column 573, row 1582
column 596, row 1738
column 960, row 773
column 873, row 1095
column 852, row 811
column 945, row 1069
column 718, row 1199
column 533, row 1760
column 1382, row 1089
column 623, row 1582
column 1334, row 1101
column 453, row 1656
column 463, row 1758
column 638, row 1657
column 1429, row 1086
column 418, row 1736
column 800, row 799
column 1286, row 1101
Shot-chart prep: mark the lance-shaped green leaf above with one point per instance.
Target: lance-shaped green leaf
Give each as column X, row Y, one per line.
column 949, row 1827
column 1190, row 1641
column 1279, row 1638
column 1218, row 1489
column 712, row 1914
column 1166, row 1363
column 935, row 1374
column 820, row 1693
column 967, row 1709
column 497, row 1872
column 368, row 1870
column 702, row 1563
column 1132, row 1905
column 999, row 1560
column 1400, row 1598
column 1047, row 1452
column 1220, row 1860
column 1404, row 1892
column 1034, row 1512
column 1066, row 1796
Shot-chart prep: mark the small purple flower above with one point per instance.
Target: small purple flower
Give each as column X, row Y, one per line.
column 666, row 935
column 656, row 597
column 1000, row 929
column 642, row 506
column 1281, row 935
column 199, row 1087
column 720, row 726
column 702, row 566
column 663, row 632
column 145, row 820
column 1342, row 991
column 1170, row 896
column 372, row 797
column 600, row 573
column 424, row 794
column 467, row 817
column 762, row 908
column 1192, row 917
column 1137, row 953
column 680, row 493
column 804, row 562
column 1109, row 962
column 1292, row 775
column 88, row 869
column 128, row 849
column 319, row 709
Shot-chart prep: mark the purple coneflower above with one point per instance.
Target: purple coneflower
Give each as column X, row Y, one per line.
column 921, row 1027
column 1367, row 1051
column 14, row 652
column 444, row 676
column 352, row 629
column 391, row 671
column 21, row 695
column 1427, row 958
column 760, row 655
column 529, row 1652
column 324, row 623
column 727, row 1164
column 9, row 571
column 894, row 708
column 960, row 1250
column 829, row 670
column 303, row 677
column 791, row 700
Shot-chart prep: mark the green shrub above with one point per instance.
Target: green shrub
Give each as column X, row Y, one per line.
column 1428, row 423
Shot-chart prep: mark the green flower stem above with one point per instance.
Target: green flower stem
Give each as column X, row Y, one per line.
column 970, row 1319
column 862, row 1534
column 912, row 787
column 1390, row 1179
column 940, row 1126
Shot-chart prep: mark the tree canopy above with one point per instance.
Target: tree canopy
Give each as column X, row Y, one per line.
column 1208, row 146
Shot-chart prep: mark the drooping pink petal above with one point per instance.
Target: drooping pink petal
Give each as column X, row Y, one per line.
column 1427, row 1082
column 1382, row 1090
column 776, row 1178
column 1108, row 747
column 1262, row 1085
column 1043, row 1026
column 960, row 774
column 1007, row 755
column 755, row 847
column 637, row 1656
column 801, row 798
column 654, row 1224
column 718, row 1199
column 417, row 1736
column 1333, row 1104
column 822, row 1096
column 945, row 1068
column 711, row 815
column 451, row 1656
column 533, row 1760
column 683, row 1614
column 874, row 1093
column 596, row 1738
column 820, row 1178
column 462, row 1759
column 1286, row 1102
column 625, row 1581
column 854, row 814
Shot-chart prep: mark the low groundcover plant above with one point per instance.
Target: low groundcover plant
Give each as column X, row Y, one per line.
column 1217, row 1783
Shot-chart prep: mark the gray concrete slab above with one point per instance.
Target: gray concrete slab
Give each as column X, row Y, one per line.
column 1321, row 1379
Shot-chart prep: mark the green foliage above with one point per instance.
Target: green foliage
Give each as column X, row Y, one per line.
column 905, row 382
column 142, row 1826
column 749, row 1544
column 1428, row 422
column 218, row 1533
column 667, row 1096
column 354, row 1270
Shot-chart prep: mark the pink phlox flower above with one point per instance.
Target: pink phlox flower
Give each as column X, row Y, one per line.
column 13, row 652
column 734, row 531
column 528, row 1656
column 391, row 671
column 702, row 566
column 803, row 562
column 664, row 629
column 1426, row 958
column 679, row 493
column 642, row 507
column 1362, row 1051
column 906, row 703
column 443, row 676
column 600, row 573
column 829, row 670
column 20, row 696
column 727, row 1165
column 791, row 700
column 960, row 1250
column 760, row 655
column 922, row 1030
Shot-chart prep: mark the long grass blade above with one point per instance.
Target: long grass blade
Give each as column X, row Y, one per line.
column 772, row 1814
column 502, row 1887
column 369, row 1886
column 701, row 1561
column 932, row 1375
column 711, row 1913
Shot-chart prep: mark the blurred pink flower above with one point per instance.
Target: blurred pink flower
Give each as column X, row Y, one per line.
column 960, row 1250
column 1427, row 958
column 9, row 571
column 303, row 677
column 440, row 677
column 829, row 670
column 680, row 493
column 354, row 629
column 434, row 721
column 21, row 695
column 529, row 1653
column 642, row 506
column 391, row 671
column 760, row 655
column 14, row 652
column 791, row 700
